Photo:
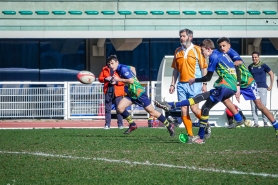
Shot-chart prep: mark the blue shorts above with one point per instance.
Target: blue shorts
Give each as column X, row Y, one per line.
column 221, row 94
column 186, row 91
column 251, row 92
column 142, row 101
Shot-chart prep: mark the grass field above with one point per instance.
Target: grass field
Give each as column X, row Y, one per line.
column 146, row 156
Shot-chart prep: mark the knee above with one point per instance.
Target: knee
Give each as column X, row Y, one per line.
column 205, row 111
column 120, row 110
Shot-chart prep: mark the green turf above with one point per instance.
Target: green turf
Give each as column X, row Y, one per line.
column 146, row 156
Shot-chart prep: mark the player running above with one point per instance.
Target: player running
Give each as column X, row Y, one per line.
column 135, row 95
column 225, row 87
column 248, row 86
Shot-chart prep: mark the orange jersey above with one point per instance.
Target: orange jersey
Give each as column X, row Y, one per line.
column 189, row 62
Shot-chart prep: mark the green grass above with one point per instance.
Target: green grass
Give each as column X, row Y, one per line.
column 98, row 156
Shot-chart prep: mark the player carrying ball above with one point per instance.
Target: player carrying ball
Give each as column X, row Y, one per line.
column 136, row 94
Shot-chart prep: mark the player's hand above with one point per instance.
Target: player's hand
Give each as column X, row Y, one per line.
column 116, row 79
column 191, row 81
column 108, row 78
column 204, row 89
column 171, row 89
column 237, row 62
column 113, row 82
column 269, row 88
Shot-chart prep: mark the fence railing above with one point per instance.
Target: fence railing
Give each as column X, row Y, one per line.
column 63, row 100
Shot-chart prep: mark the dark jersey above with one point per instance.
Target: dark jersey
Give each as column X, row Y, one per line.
column 224, row 67
column 246, row 77
column 134, row 90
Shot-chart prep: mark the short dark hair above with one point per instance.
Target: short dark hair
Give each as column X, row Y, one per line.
column 207, row 43
column 256, row 52
column 112, row 57
column 187, row 31
column 223, row 39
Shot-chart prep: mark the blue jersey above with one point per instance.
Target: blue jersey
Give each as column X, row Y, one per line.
column 224, row 67
column 246, row 77
column 134, row 90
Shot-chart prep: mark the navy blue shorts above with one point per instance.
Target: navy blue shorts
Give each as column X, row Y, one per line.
column 142, row 101
column 221, row 94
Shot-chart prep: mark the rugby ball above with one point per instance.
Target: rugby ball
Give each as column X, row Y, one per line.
column 86, row 77
column 248, row 123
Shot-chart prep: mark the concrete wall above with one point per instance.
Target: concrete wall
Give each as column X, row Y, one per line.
column 146, row 26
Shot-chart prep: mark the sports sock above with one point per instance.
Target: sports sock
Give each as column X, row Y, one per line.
column 188, row 124
column 238, row 117
column 127, row 117
column 203, row 125
column 275, row 124
column 163, row 120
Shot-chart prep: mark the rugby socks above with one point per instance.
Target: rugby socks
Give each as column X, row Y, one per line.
column 188, row 124
column 163, row 120
column 128, row 118
column 275, row 124
column 238, row 117
column 203, row 125
column 188, row 102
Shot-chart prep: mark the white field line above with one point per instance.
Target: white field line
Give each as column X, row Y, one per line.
column 143, row 163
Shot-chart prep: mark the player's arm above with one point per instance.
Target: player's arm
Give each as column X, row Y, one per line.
column 238, row 75
column 126, row 73
column 205, row 78
column 235, row 57
column 133, row 70
column 271, row 75
column 174, row 77
column 175, row 74
column 127, row 81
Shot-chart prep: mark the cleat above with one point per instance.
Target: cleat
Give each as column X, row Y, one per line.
column 106, row 127
column 130, row 129
column 173, row 121
column 190, row 140
column 236, row 124
column 207, row 131
column 198, row 141
column 163, row 105
column 256, row 125
column 171, row 130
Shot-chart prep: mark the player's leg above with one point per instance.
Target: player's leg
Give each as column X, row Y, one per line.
column 121, row 108
column 150, row 109
column 119, row 116
column 263, row 95
column 251, row 93
column 193, row 90
column 238, row 118
column 268, row 114
column 191, row 101
column 204, row 120
column 108, row 105
column 183, row 91
column 144, row 101
column 254, row 110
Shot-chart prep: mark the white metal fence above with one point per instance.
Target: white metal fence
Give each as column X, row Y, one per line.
column 63, row 100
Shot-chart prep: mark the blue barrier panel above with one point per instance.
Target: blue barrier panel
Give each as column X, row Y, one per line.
column 19, row 74
column 51, row 75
